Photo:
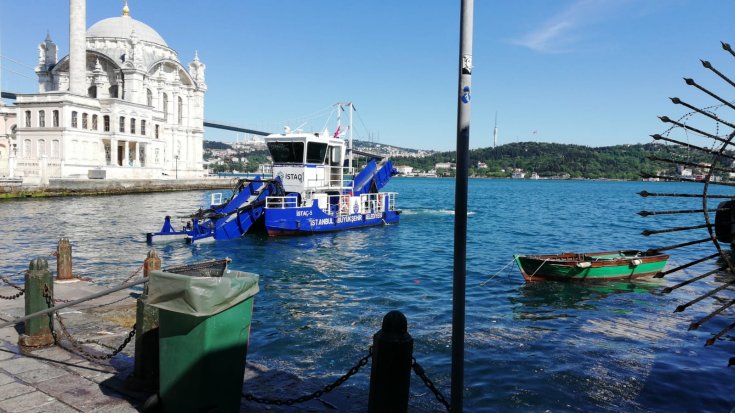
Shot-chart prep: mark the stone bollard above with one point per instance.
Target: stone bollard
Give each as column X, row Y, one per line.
column 37, row 329
column 390, row 373
column 145, row 374
column 63, row 260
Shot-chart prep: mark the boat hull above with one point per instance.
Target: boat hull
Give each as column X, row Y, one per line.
column 601, row 266
column 311, row 220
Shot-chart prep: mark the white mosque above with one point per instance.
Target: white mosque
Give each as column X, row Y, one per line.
column 119, row 106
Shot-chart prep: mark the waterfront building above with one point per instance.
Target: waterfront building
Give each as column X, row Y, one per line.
column 404, row 170
column 119, row 106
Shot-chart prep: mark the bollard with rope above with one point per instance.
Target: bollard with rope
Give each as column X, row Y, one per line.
column 37, row 332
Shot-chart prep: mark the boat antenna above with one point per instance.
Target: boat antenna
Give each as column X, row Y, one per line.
column 495, row 131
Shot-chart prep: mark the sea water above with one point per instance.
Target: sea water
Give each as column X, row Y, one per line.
column 529, row 347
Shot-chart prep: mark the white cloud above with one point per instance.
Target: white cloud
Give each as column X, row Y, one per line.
column 561, row 32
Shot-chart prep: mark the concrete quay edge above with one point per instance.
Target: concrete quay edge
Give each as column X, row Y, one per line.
column 87, row 187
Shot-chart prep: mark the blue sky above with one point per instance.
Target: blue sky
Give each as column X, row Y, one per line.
column 590, row 72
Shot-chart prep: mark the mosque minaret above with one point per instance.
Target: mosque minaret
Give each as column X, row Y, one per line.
column 77, row 47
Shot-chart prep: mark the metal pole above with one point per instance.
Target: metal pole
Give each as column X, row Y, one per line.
column 460, row 205
column 75, row 302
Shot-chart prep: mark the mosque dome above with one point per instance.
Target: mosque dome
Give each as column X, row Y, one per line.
column 122, row 27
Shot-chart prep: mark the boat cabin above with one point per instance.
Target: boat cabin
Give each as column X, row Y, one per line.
column 308, row 162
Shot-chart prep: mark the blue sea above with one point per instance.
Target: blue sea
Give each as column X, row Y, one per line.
column 545, row 346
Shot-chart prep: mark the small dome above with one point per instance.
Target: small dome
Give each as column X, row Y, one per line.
column 121, row 28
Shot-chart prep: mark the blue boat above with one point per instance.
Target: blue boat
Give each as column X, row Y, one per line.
column 309, row 192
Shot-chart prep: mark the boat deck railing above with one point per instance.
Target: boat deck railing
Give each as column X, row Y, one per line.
column 340, row 204
column 282, row 202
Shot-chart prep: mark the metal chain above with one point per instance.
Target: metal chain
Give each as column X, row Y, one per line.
column 14, row 296
column 10, row 283
column 20, row 292
column 77, row 346
column 133, row 274
column 329, row 387
column 429, row 384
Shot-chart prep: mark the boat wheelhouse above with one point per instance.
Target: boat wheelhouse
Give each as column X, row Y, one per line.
column 318, row 198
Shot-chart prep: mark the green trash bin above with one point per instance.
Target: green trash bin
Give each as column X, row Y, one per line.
column 203, row 337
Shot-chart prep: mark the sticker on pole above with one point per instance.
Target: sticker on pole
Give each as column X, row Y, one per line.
column 467, row 64
column 466, row 94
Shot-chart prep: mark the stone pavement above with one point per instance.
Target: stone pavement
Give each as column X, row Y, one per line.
column 57, row 380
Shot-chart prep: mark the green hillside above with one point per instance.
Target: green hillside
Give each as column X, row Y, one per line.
column 560, row 160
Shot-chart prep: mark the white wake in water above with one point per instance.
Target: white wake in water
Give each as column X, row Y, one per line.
column 428, row 211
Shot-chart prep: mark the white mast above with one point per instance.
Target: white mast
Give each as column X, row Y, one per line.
column 339, row 119
column 495, row 131
column 352, row 108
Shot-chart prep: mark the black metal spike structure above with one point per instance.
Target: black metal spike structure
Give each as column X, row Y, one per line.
column 709, row 141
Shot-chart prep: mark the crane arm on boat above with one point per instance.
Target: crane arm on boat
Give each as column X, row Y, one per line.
column 231, row 219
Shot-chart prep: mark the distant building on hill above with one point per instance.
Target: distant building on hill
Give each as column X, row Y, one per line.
column 404, row 169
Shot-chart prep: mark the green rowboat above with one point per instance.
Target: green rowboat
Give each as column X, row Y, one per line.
column 595, row 266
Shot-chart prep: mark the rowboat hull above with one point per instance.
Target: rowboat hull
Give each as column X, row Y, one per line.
column 599, row 266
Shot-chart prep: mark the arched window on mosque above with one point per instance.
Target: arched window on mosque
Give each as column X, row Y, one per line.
column 142, row 127
column 181, row 110
column 55, row 149
column 132, row 126
column 41, row 118
column 27, row 148
column 56, row 118
column 122, row 123
column 113, row 91
column 74, row 119
column 149, row 94
column 92, row 92
column 165, row 107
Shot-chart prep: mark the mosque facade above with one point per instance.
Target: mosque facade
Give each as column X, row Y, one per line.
column 119, row 106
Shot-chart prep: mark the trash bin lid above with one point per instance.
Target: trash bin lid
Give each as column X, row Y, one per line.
column 200, row 296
